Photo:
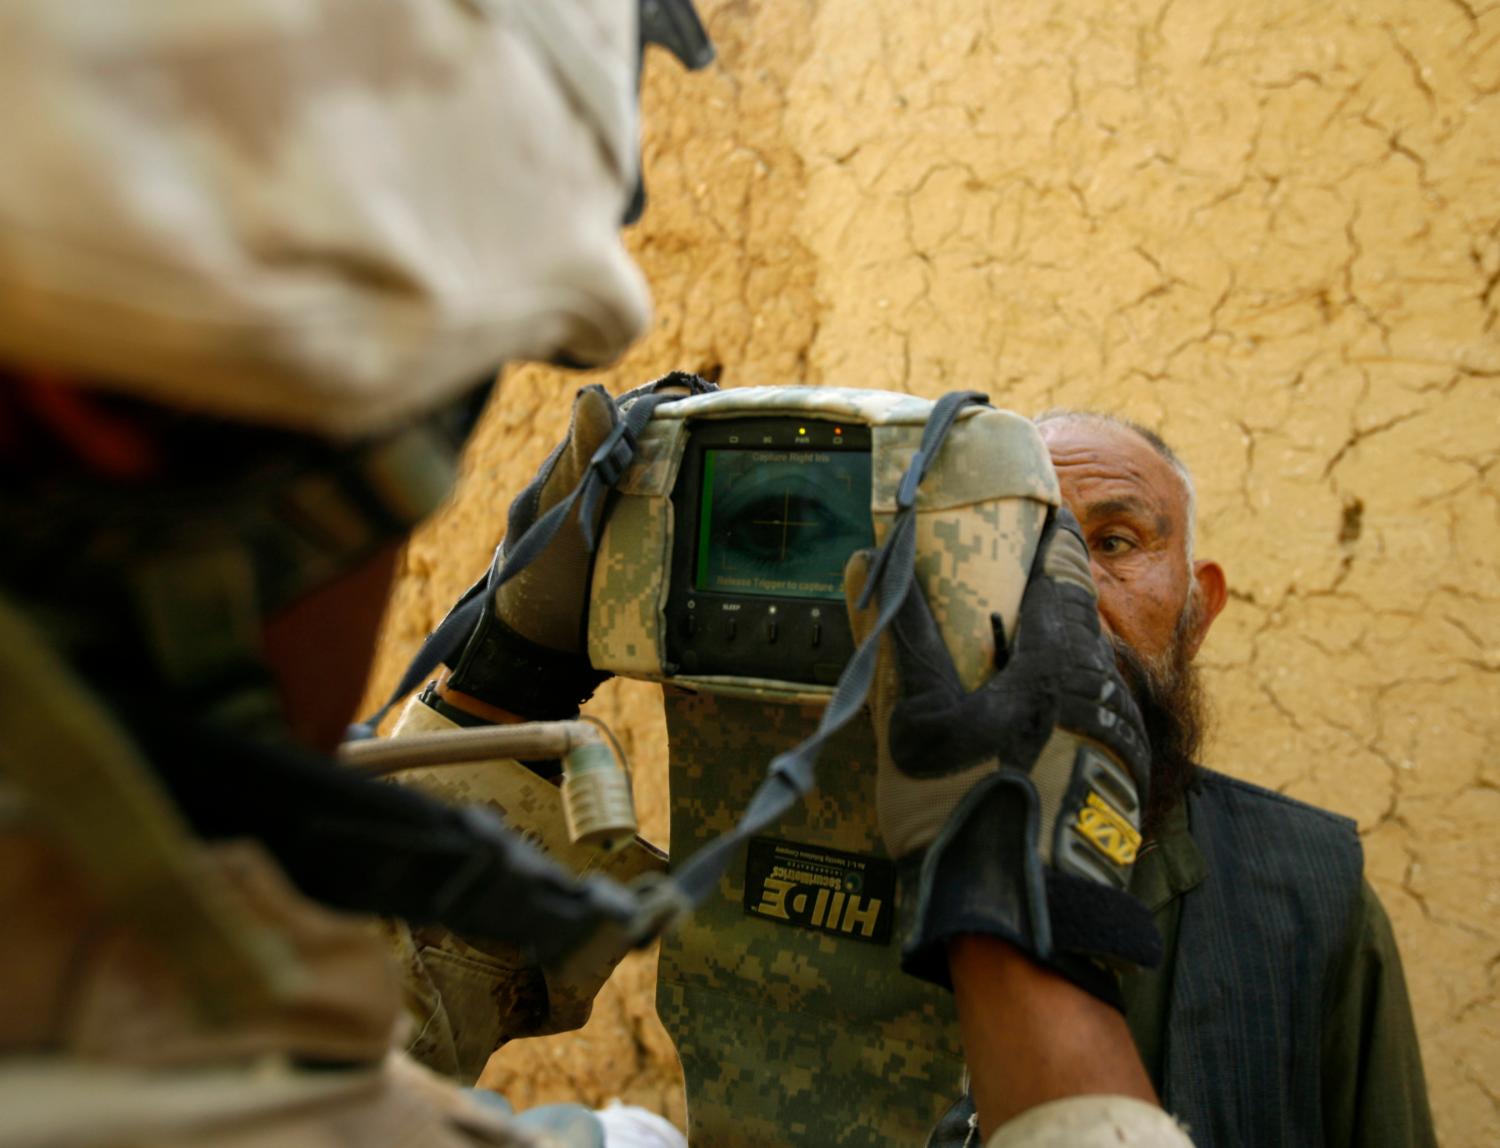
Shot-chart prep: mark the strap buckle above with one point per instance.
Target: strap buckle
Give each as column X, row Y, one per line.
column 614, row 455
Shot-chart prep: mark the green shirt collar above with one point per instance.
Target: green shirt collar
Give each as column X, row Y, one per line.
column 1170, row 863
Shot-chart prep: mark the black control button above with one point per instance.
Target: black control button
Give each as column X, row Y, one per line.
column 771, row 630
column 691, row 625
column 731, row 628
column 817, row 633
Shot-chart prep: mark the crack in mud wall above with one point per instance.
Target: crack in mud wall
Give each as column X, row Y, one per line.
column 1269, row 230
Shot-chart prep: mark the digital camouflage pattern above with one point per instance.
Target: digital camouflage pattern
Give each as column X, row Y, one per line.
column 790, row 1035
column 793, row 1020
column 635, row 553
column 469, row 996
column 980, row 511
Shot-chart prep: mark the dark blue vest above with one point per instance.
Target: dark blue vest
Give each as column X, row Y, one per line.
column 1259, row 943
column 1258, row 947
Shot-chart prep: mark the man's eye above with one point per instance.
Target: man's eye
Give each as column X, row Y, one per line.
column 1113, row 545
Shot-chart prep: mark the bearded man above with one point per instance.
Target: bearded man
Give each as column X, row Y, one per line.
column 1279, row 1014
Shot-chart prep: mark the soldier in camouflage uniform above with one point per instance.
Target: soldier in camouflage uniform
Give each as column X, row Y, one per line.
column 882, row 1075
column 254, row 259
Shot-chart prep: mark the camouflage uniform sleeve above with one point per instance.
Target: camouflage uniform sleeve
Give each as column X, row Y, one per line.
column 467, row 996
column 1091, row 1122
column 1375, row 1094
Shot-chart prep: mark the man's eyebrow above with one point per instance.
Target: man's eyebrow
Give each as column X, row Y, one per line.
column 1108, row 506
column 1128, row 505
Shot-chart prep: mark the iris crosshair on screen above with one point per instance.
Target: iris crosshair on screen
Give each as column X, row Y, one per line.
column 768, row 511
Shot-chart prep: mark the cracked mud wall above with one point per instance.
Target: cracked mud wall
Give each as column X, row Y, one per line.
column 1272, row 231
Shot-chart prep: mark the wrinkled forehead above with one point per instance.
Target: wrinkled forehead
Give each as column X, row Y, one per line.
column 1104, row 467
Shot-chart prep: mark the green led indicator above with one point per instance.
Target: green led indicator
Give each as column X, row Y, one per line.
column 705, row 516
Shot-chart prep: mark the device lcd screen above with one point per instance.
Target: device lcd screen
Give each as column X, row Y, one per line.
column 781, row 523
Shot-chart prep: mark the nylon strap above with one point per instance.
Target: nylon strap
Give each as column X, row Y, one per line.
column 604, row 471
column 442, row 645
column 793, row 774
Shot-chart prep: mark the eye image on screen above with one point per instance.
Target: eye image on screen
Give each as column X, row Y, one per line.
column 780, row 522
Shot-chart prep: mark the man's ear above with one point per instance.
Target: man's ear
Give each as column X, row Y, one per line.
column 1213, row 592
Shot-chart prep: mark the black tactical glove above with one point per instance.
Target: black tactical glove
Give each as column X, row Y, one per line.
column 1014, row 810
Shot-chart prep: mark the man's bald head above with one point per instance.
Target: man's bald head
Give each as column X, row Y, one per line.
column 1152, row 439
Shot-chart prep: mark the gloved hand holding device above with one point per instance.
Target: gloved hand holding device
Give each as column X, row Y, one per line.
column 526, row 655
column 515, row 643
column 1013, row 810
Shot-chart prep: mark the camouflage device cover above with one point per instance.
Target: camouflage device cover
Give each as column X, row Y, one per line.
column 783, row 993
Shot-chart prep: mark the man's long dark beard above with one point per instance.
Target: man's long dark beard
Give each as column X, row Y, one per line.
column 1169, row 692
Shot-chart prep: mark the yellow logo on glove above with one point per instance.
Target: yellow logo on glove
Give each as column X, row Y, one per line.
column 1107, row 831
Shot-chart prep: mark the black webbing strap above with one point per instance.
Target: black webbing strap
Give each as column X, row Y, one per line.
column 604, row 470
column 793, row 774
column 362, row 846
column 442, row 645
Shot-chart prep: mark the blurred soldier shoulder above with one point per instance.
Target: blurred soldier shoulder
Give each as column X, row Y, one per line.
column 259, row 266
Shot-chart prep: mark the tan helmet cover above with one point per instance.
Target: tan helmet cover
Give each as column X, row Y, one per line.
column 324, row 216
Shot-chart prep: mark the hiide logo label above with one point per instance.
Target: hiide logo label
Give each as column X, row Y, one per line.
column 847, row 894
